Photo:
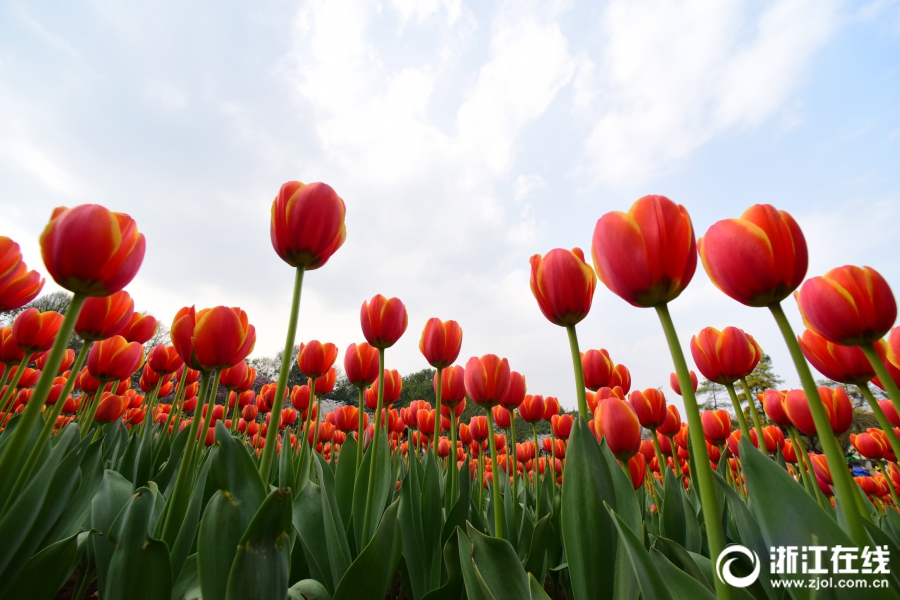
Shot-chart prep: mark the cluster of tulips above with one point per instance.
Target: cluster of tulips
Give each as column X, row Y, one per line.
column 168, row 493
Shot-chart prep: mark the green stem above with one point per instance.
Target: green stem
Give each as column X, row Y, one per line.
column 659, row 457
column 178, row 503
column 890, row 386
column 802, row 460
column 742, row 420
column 67, row 389
column 879, row 416
column 268, row 455
column 513, row 462
column 451, row 463
column 362, row 427
column 437, row 418
column 9, row 396
column 148, row 412
column 757, row 421
column 579, row 373
column 553, row 462
column 304, row 442
column 18, row 444
column 92, row 408
column 703, row 476
column 537, row 474
column 676, row 464
column 843, row 484
column 495, row 487
column 376, row 438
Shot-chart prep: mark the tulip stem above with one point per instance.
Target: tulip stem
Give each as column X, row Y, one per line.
column 660, row 461
column 881, row 418
column 757, row 422
column 303, row 437
column 376, row 437
column 579, row 373
column 553, row 461
column 703, row 476
column 884, row 375
column 362, row 428
column 843, row 484
column 61, row 400
column 742, row 420
column 537, row 475
column 437, row 418
column 178, row 502
column 268, row 455
column 676, row 465
column 18, row 443
column 451, row 462
column 802, row 459
column 495, row 488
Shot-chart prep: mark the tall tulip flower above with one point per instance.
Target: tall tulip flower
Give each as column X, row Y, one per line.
column 361, row 367
column 306, row 229
column 616, row 421
column 114, row 359
column 440, row 344
column 758, row 260
column 676, row 386
column 563, row 285
column 621, row 378
column 647, row 257
column 18, row 285
column 140, row 329
column 597, row 368
column 316, row 358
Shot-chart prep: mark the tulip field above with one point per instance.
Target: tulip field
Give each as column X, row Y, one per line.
column 166, row 491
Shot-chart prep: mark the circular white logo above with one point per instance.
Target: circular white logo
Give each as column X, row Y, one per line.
column 723, row 566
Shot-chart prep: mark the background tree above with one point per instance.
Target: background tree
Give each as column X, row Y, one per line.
column 715, row 395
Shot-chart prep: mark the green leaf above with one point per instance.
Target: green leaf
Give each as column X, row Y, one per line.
column 188, row 585
column 688, row 565
column 381, row 490
column 114, row 493
column 335, row 534
column 71, row 521
column 460, row 512
column 263, row 561
column 536, row 589
column 453, row 588
column 309, row 589
column 497, row 567
column 143, row 459
column 165, row 479
column 139, row 568
column 672, row 523
column 344, row 479
column 653, row 585
column 370, row 575
column 470, row 576
column 682, row 585
column 536, row 561
column 125, row 462
column 286, row 475
column 309, row 523
column 412, row 536
column 48, row 570
column 184, row 541
column 588, row 534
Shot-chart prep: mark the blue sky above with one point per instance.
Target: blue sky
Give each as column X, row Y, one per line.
column 464, row 137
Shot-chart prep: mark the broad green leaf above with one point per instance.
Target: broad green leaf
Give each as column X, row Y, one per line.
column 880, row 538
column 453, row 588
column 263, row 561
column 308, row 589
column 165, row 479
column 286, row 474
column 335, row 534
column 469, row 575
column 409, row 514
column 125, row 460
column 653, row 585
column 114, row 493
column 309, row 522
column 497, row 567
column 77, row 509
column 344, row 479
column 588, row 534
column 184, row 541
column 187, row 587
column 536, row 589
column 143, row 459
column 370, row 575
column 536, row 561
column 682, row 585
column 460, row 512
column 381, row 490
column 688, row 565
column 48, row 570
column 672, row 523
column 139, row 568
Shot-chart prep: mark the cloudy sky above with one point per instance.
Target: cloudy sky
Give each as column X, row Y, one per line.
column 464, row 137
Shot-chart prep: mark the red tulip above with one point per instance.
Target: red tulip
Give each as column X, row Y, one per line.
column 383, row 321
column 453, row 385
column 515, row 393
column 35, row 331
column 615, row 421
column 773, row 404
column 249, row 412
column 10, row 353
column 425, row 420
column 844, row 364
column 316, row 358
column 649, row 406
column 773, row 437
column 758, row 259
column 361, row 364
column 465, row 434
column 532, row 409
column 551, row 407
column 164, row 359
column 868, row 445
column 346, row 418
column 672, row 424
column 562, row 425
column 140, row 329
column 18, row 285
column 478, row 428
column 637, row 466
column 648, row 255
column 114, row 359
column 837, row 405
column 716, row 425
column 440, row 342
column 443, row 447
column 393, row 385
column 887, row 407
column 621, row 378
column 597, row 368
column 821, row 468
column 307, row 224
column 725, row 356
column 487, row 380
column 288, row 417
column 212, row 338
column 501, row 417
column 676, row 387
column 243, row 399
column 789, row 452
column 102, row 318
column 90, row 250
column 110, row 408
column 458, row 409
column 563, row 285
column 848, row 305
column 67, row 360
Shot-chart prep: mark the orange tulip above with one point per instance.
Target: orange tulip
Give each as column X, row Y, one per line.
column 164, row 359
column 114, row 359
column 316, row 358
column 383, row 321
column 563, row 285
column 440, row 342
column 453, row 385
column 597, row 368
column 648, row 255
column 844, row 364
column 649, row 406
column 458, row 409
column 848, row 305
column 393, row 386
column 868, row 445
column 111, row 407
column 18, row 285
column 90, row 250
column 725, row 356
column 773, row 404
column 773, row 437
column 672, row 424
column 35, row 331
column 346, row 418
column 140, row 329
column 67, row 360
column 243, row 399
column 532, row 409
column 212, row 338
column 501, row 416
column 836, row 402
column 676, row 387
column 478, row 428
column 426, row 421
column 716, row 425
column 307, row 225
column 361, row 364
column 615, row 421
column 637, row 466
column 102, row 318
column 10, row 353
column 562, row 425
column 621, row 378
column 758, row 259
column 487, row 380
column 515, row 393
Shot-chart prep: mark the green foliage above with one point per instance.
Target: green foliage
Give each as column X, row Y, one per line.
column 417, row 386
